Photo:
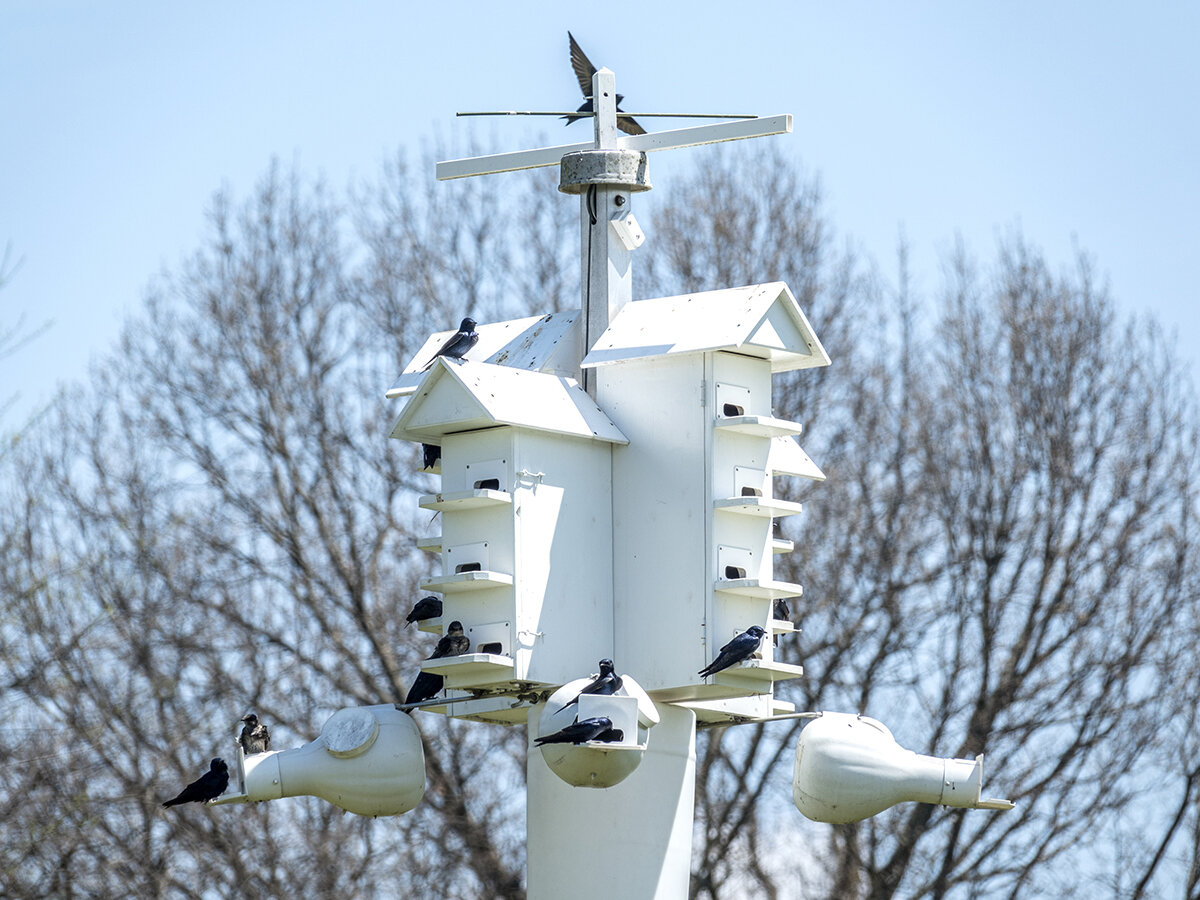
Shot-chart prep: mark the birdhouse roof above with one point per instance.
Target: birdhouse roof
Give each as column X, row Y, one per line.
column 760, row 320
column 465, row 396
column 534, row 343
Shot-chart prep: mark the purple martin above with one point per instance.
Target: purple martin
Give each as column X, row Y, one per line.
column 741, row 647
column 255, row 738
column 459, row 343
column 427, row 684
column 425, row 608
column 578, row 732
column 607, row 682
column 208, row 786
column 584, row 70
column 430, row 454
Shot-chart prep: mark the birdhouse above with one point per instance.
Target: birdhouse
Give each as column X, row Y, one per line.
column 367, row 760
column 597, row 763
column 850, row 767
column 687, row 380
column 525, row 536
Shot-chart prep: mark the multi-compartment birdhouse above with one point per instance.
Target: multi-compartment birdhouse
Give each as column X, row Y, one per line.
column 688, row 381
column 525, row 517
column 637, row 525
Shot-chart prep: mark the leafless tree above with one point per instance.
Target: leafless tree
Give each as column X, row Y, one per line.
column 1002, row 560
column 1003, row 549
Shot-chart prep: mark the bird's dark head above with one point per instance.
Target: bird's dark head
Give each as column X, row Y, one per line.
column 606, row 666
column 756, row 630
column 468, row 324
column 217, row 765
column 250, row 719
column 456, row 627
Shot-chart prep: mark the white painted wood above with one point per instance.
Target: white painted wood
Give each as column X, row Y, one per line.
column 466, row 396
column 761, row 320
column 761, row 426
column 786, row 457
column 549, row 344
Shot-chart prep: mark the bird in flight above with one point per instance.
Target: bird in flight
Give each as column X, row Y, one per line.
column 427, row 684
column 425, row 608
column 607, row 682
column 598, row 728
column 208, row 786
column 584, row 70
column 255, row 738
column 740, row 648
column 459, row 343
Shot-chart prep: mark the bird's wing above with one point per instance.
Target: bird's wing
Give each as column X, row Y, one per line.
column 734, row 645
column 629, row 126
column 584, row 70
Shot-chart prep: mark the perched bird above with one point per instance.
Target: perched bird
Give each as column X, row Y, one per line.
column 427, row 684
column 255, row 738
column 741, row 647
column 459, row 343
column 578, row 732
column 607, row 682
column 584, row 70
column 425, row 608
column 781, row 612
column 452, row 643
column 208, row 786
column 430, row 453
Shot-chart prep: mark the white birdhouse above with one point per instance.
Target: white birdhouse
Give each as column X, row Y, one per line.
column 367, row 760
column 688, row 381
column 525, row 538
column 850, row 767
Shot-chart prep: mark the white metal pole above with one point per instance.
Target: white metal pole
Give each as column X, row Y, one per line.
column 605, row 274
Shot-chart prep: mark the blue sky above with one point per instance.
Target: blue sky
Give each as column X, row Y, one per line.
column 1075, row 122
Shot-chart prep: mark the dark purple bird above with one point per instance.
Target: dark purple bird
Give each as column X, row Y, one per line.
column 427, row 684
column 607, row 682
column 255, row 738
column 459, row 343
column 423, row 609
column 741, row 647
column 430, row 454
column 584, row 70
column 578, row 732
column 208, row 786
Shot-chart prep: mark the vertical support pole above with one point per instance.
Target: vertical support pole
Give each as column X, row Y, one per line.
column 630, row 840
column 605, row 262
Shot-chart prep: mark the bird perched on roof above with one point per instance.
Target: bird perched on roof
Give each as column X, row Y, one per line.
column 459, row 343
column 741, row 647
column 578, row 732
column 208, row 786
column 607, row 682
column 584, row 70
column 427, row 684
column 423, row 609
column 255, row 738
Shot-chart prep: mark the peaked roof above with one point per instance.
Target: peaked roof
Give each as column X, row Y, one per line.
column 760, row 320
column 466, row 396
column 534, row 343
